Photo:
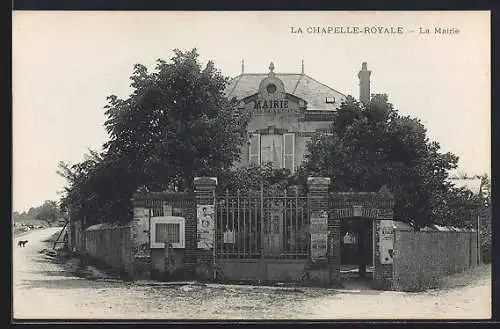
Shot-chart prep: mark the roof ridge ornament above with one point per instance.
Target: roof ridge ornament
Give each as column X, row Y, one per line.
column 271, row 68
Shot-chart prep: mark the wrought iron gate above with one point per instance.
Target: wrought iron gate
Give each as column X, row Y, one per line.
column 256, row 225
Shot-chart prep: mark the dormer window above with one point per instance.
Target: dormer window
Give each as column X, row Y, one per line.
column 330, row 100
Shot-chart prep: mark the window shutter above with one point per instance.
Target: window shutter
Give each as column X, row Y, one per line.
column 289, row 151
column 254, row 150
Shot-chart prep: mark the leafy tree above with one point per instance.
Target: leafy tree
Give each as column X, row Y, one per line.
column 370, row 146
column 256, row 177
column 48, row 212
column 176, row 124
column 459, row 208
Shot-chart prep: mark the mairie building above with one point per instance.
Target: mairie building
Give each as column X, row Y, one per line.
column 287, row 110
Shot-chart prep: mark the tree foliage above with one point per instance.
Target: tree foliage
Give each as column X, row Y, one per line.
column 370, row 146
column 485, row 216
column 176, row 124
column 255, row 178
column 49, row 212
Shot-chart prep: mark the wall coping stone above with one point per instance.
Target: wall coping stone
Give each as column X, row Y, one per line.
column 163, row 196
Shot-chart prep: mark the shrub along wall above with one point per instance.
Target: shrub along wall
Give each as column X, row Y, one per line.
column 422, row 259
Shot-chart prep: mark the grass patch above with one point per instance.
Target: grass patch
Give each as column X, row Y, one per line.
column 466, row 278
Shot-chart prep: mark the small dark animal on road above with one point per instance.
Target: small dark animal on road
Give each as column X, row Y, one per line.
column 22, row 243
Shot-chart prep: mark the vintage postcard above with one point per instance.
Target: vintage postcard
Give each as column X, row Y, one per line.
column 251, row 165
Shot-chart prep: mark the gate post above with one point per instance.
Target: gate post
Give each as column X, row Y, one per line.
column 206, row 239
column 323, row 264
column 139, row 236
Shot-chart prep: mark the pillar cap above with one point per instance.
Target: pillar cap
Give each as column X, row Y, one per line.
column 318, row 181
column 205, row 181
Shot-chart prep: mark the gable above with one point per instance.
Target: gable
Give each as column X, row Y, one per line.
column 314, row 93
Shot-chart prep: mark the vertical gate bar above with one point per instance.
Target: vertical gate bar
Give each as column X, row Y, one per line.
column 271, row 224
column 227, row 219
column 288, row 212
column 295, row 229
column 285, row 223
column 234, row 228
column 239, row 222
column 221, row 220
column 215, row 235
column 253, row 216
column 249, row 216
column 256, row 212
column 305, row 234
column 262, row 221
column 244, row 229
column 217, row 220
column 253, row 225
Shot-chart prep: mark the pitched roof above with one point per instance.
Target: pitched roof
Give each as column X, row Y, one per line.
column 300, row 85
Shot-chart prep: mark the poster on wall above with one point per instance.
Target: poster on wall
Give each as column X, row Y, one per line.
column 386, row 241
column 319, row 235
column 206, row 226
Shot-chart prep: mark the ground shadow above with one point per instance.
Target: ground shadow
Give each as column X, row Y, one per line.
column 73, row 283
column 61, row 273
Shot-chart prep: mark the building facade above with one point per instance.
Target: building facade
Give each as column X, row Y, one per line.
column 287, row 110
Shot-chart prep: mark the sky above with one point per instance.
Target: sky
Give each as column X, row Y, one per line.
column 65, row 64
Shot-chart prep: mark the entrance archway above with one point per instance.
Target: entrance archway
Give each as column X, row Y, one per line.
column 356, row 247
column 355, row 219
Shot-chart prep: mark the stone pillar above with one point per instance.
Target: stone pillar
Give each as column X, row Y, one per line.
column 322, row 270
column 141, row 248
column 383, row 269
column 205, row 198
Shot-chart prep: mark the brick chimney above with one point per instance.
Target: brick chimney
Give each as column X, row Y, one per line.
column 364, row 84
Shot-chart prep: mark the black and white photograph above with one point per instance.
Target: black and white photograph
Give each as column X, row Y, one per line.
column 251, row 165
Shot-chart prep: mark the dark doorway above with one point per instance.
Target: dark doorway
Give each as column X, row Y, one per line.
column 356, row 248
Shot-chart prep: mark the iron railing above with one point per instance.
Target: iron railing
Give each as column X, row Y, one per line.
column 255, row 225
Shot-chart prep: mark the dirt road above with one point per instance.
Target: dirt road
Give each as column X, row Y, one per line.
column 44, row 290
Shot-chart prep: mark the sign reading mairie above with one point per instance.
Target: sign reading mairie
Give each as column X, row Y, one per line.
column 271, row 99
column 270, row 104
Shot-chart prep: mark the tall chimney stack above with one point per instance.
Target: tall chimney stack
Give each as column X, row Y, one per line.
column 364, row 84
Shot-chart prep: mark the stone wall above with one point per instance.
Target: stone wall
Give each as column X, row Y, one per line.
column 110, row 245
column 421, row 259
